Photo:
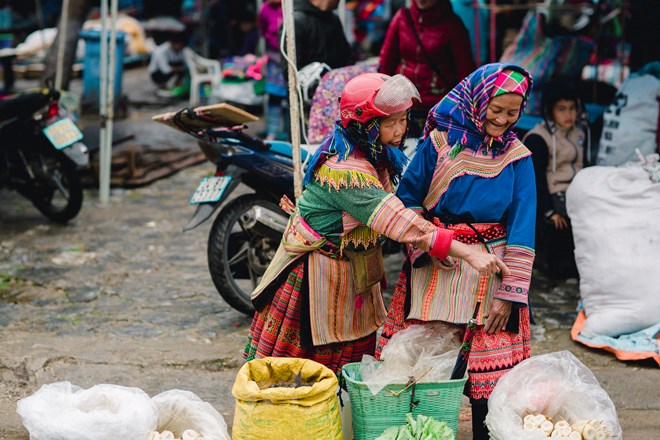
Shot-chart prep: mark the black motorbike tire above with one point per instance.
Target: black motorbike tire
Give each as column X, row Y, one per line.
column 221, row 247
column 71, row 179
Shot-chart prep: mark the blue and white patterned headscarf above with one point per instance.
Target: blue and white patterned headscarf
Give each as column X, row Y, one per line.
column 366, row 138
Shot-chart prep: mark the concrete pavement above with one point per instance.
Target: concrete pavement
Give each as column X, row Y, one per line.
column 121, row 296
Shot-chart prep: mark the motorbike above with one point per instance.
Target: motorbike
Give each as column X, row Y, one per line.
column 248, row 228
column 40, row 153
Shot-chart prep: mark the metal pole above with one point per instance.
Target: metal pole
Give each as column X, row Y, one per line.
column 287, row 12
column 477, row 32
column 492, row 13
column 112, row 58
column 61, row 40
column 622, row 40
column 104, row 148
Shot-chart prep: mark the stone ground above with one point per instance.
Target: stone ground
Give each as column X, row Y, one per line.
column 121, row 296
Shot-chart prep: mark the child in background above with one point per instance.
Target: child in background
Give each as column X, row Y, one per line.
column 167, row 63
column 558, row 154
column 270, row 19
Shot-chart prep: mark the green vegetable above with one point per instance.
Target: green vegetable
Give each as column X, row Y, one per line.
column 421, row 428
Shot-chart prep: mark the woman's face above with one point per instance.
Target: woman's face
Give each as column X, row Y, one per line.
column 502, row 112
column 425, row 4
column 393, row 128
column 564, row 113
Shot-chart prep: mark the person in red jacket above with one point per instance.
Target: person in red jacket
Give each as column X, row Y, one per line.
column 428, row 44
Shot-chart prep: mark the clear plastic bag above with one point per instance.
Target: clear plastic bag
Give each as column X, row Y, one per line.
column 557, row 385
column 426, row 352
column 180, row 410
column 103, row 412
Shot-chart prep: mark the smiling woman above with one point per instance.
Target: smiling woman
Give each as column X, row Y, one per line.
column 473, row 176
column 502, row 112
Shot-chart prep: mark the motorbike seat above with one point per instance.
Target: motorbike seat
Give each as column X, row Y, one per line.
column 286, row 149
column 22, row 105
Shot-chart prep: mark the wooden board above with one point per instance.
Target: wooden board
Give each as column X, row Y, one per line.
column 209, row 116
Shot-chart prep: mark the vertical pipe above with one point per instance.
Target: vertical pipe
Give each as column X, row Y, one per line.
column 477, row 33
column 61, row 44
column 110, row 90
column 287, row 10
column 104, row 164
column 492, row 14
column 622, row 40
column 112, row 61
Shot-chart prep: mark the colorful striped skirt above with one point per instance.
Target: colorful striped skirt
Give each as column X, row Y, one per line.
column 491, row 356
column 282, row 329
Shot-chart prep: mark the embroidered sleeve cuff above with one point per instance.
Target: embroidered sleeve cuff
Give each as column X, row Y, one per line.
column 515, row 286
column 397, row 222
column 441, row 244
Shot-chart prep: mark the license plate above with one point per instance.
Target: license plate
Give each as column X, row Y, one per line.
column 63, row 133
column 210, row 189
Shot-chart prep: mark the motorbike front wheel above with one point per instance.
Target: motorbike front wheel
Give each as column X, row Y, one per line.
column 240, row 249
column 57, row 191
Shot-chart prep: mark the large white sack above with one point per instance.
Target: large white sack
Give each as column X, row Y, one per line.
column 631, row 121
column 63, row 411
column 615, row 214
column 179, row 410
column 555, row 384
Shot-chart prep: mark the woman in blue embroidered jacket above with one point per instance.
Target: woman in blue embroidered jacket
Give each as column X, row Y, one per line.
column 320, row 297
column 473, row 175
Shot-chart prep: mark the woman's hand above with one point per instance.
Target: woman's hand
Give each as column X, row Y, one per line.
column 485, row 263
column 497, row 316
column 559, row 221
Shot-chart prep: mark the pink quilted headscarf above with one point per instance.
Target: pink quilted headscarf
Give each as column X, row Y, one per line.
column 510, row 81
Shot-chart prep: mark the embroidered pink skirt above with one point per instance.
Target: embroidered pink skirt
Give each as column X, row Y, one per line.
column 491, row 356
column 276, row 329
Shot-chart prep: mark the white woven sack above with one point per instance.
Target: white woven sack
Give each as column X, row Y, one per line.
column 615, row 214
column 630, row 122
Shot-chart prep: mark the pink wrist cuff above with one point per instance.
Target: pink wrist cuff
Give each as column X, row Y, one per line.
column 441, row 244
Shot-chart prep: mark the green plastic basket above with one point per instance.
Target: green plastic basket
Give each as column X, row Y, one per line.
column 374, row 414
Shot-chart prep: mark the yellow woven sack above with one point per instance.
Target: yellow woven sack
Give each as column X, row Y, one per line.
column 286, row 398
